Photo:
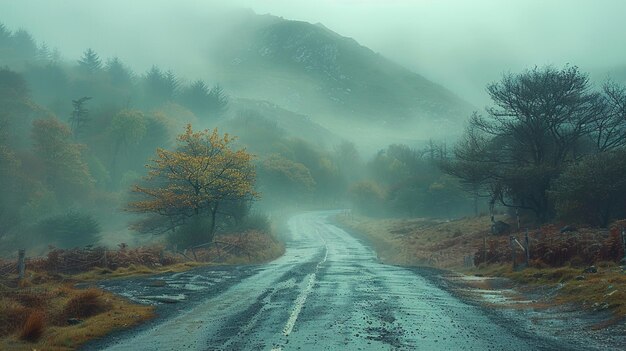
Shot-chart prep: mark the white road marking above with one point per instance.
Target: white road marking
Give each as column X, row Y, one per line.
column 297, row 308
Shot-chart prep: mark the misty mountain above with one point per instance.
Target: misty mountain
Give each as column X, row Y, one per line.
column 312, row 70
column 247, row 116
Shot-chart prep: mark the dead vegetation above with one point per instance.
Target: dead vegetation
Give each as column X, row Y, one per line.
column 551, row 247
column 33, row 327
column 252, row 246
column 444, row 244
column 45, row 310
column 85, row 304
column 559, row 259
column 76, row 260
column 419, row 241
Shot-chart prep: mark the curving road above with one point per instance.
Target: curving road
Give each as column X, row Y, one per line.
column 328, row 292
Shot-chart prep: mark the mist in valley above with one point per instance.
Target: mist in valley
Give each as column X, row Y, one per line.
column 246, row 175
column 353, row 104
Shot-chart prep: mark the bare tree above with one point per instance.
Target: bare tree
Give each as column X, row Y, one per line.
column 610, row 131
column 537, row 124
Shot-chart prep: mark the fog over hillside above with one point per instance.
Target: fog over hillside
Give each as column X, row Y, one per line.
column 253, row 174
column 397, row 80
column 460, row 44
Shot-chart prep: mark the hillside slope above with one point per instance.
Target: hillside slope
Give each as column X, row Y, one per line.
column 312, row 70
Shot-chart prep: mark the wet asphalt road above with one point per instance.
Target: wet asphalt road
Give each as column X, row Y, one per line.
column 328, row 292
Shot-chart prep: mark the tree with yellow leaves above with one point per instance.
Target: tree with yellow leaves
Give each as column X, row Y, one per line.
column 201, row 176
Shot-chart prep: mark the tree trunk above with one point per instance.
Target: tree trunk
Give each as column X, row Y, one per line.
column 213, row 217
column 605, row 214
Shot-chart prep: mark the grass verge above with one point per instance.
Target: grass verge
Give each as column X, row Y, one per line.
column 443, row 244
column 45, row 311
column 48, row 313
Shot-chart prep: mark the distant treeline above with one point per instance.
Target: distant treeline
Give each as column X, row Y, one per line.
column 75, row 135
column 407, row 182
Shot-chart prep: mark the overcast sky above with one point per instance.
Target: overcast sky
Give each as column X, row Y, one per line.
column 462, row 44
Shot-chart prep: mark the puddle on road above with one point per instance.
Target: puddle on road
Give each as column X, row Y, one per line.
column 478, row 289
column 501, row 297
column 167, row 289
column 535, row 316
column 188, row 287
column 164, row 298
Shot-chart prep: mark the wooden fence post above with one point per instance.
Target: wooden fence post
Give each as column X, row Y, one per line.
column 527, row 244
column 624, row 243
column 512, row 239
column 485, row 250
column 21, row 263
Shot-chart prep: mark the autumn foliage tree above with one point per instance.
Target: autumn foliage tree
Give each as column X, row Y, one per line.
column 66, row 171
column 202, row 176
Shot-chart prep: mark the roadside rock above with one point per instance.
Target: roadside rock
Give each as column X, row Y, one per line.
column 74, row 321
column 591, row 269
column 600, row 306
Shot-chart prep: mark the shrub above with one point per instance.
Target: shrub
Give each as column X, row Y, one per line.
column 86, row 304
column 194, row 232
column 251, row 222
column 32, row 299
column 593, row 190
column 550, row 247
column 12, row 316
column 69, row 230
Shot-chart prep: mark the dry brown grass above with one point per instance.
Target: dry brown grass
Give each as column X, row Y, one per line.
column 34, row 327
column 420, row 241
column 34, row 313
column 443, row 245
column 84, row 304
column 249, row 247
column 12, row 316
column 134, row 270
column 121, row 315
column 605, row 290
column 33, row 299
column 36, row 317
